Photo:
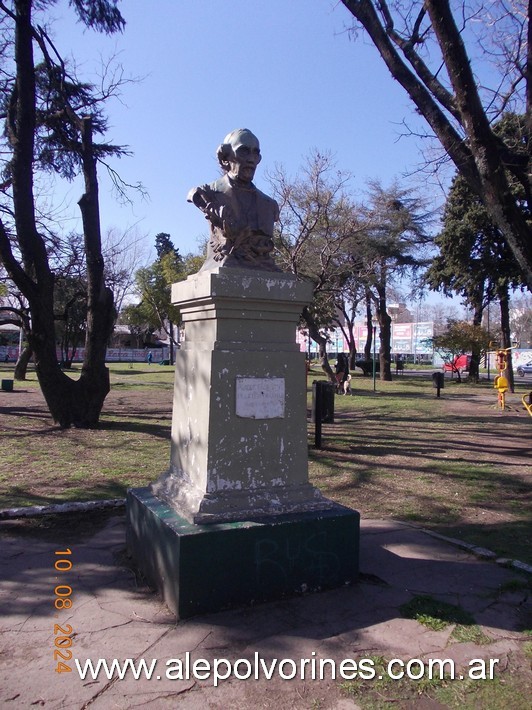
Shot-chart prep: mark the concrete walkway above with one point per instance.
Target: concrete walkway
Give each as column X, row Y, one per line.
column 114, row 616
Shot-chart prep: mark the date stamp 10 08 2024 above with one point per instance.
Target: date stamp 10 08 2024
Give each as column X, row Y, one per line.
column 62, row 601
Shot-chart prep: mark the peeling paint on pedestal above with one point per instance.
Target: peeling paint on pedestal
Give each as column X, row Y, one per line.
column 230, row 453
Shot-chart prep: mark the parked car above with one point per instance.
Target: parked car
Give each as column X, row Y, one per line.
column 525, row 369
column 459, row 364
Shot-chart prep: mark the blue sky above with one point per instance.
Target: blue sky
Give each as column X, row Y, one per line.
column 286, row 70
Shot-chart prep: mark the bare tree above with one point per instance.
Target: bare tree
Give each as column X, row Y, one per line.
column 439, row 56
column 318, row 220
column 123, row 252
column 394, row 246
column 51, row 120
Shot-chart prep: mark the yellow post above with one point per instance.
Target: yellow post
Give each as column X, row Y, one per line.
column 501, row 385
column 500, row 382
column 527, row 401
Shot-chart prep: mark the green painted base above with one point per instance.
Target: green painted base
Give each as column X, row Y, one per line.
column 206, row 568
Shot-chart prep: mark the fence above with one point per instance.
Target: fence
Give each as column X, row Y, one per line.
column 9, row 353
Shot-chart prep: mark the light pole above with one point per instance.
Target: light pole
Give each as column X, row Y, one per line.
column 374, row 361
column 488, row 353
column 19, row 341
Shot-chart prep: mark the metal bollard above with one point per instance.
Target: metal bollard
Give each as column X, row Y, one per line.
column 322, row 407
column 438, row 382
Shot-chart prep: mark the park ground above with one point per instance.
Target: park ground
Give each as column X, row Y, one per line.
column 456, row 464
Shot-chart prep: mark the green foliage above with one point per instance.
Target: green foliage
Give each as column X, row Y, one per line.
column 396, row 225
column 470, row 634
column 192, row 263
column 57, row 141
column 474, row 257
column 459, row 338
column 164, row 245
column 155, row 310
column 101, row 15
column 70, row 310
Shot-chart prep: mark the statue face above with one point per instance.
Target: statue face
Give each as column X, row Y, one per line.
column 245, row 158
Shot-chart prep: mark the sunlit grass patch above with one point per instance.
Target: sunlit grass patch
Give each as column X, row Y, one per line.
column 435, row 614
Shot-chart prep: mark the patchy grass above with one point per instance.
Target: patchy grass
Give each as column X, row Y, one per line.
column 435, row 614
column 455, row 464
column 381, row 692
column 42, row 464
column 470, row 634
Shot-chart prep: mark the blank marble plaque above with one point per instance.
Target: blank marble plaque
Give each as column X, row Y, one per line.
column 260, row 397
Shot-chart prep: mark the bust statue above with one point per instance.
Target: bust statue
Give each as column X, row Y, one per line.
column 241, row 216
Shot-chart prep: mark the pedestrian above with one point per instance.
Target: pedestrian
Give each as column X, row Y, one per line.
column 150, row 357
column 341, row 371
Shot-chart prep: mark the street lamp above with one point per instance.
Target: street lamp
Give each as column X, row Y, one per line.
column 374, row 361
column 488, row 353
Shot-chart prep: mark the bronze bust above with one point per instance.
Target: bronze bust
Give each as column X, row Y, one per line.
column 241, row 216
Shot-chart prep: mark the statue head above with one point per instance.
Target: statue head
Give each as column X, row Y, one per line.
column 239, row 155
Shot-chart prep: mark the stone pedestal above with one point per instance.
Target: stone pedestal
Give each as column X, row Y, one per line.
column 207, row 568
column 234, row 519
column 239, row 431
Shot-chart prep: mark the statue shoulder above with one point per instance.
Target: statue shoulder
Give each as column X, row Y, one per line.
column 220, row 185
column 208, row 191
column 269, row 203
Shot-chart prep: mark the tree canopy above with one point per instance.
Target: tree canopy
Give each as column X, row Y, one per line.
column 443, row 57
column 474, row 260
column 352, row 253
column 51, row 121
column 460, row 337
column 155, row 310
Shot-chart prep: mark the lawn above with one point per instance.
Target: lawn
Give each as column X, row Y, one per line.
column 454, row 464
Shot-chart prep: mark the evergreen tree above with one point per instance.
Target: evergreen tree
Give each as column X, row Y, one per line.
column 51, row 120
column 474, row 259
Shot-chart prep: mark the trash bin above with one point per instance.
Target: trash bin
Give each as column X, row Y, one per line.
column 438, row 381
column 323, row 401
column 7, row 385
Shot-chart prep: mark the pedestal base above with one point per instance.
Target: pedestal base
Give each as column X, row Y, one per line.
column 206, row 568
column 229, row 506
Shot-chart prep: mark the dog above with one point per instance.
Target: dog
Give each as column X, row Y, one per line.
column 347, row 385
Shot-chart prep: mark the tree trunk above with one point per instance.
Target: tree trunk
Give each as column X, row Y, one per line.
column 385, row 333
column 58, row 389
column 348, row 333
column 21, row 366
column 36, row 279
column 369, row 324
column 474, row 365
column 70, row 402
column 94, row 379
column 352, row 356
column 171, row 343
column 317, row 337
